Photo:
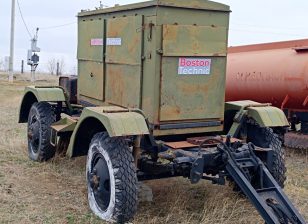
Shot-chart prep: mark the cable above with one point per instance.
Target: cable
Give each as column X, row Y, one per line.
column 251, row 31
column 23, row 19
column 283, row 215
column 50, row 27
column 270, row 26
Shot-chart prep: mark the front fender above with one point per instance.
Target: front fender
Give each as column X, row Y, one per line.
column 34, row 94
column 117, row 121
column 265, row 115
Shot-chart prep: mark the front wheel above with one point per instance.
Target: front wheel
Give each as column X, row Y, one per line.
column 111, row 178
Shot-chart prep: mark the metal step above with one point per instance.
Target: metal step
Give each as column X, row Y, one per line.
column 65, row 124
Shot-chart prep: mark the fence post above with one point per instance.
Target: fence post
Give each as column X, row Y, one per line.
column 22, row 66
column 57, row 68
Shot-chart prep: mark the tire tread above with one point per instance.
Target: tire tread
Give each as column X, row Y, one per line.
column 47, row 118
column 270, row 139
column 124, row 174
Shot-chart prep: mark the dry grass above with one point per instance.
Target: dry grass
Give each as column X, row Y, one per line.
column 55, row 191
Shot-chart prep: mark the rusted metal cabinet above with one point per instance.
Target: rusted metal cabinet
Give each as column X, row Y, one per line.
column 165, row 57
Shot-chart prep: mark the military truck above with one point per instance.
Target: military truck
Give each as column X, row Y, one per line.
column 150, row 89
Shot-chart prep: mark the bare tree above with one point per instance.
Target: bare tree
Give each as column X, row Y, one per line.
column 61, row 65
column 73, row 71
column 51, row 66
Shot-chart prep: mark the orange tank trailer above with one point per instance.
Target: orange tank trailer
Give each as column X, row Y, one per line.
column 274, row 73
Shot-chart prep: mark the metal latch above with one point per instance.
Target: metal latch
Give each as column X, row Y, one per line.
column 159, row 51
column 144, row 27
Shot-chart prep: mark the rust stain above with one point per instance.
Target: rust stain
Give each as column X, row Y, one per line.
column 169, row 154
column 177, row 145
column 198, row 140
column 122, row 86
column 116, row 26
column 195, row 32
column 114, row 83
column 195, row 5
column 112, row 50
column 176, row 109
column 136, row 41
column 189, row 88
column 171, row 33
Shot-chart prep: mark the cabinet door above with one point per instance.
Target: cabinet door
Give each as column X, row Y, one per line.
column 90, row 59
column 193, row 72
column 123, row 61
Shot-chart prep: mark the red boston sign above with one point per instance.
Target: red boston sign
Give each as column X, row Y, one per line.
column 95, row 42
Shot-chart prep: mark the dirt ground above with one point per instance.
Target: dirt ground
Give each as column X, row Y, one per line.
column 55, row 191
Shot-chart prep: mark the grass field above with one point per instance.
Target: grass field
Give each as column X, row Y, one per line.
column 55, row 191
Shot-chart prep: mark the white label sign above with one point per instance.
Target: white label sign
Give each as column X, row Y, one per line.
column 114, row 41
column 194, row 66
column 97, row 42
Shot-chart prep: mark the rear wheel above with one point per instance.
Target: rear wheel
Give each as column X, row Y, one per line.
column 41, row 116
column 111, row 178
column 264, row 137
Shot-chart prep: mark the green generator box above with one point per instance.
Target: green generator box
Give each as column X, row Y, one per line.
column 165, row 57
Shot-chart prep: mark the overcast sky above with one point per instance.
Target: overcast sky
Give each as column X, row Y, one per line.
column 250, row 22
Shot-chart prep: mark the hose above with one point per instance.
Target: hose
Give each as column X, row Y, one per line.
column 226, row 150
column 218, row 140
column 281, row 213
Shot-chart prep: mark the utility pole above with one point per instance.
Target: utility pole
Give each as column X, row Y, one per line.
column 57, row 68
column 11, row 66
column 22, row 66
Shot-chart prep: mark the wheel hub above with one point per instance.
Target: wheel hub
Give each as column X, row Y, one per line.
column 34, row 134
column 99, row 180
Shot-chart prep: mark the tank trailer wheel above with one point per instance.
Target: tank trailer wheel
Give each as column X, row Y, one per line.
column 41, row 116
column 111, row 178
column 266, row 138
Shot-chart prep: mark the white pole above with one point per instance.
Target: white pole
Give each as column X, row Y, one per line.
column 11, row 67
column 32, row 73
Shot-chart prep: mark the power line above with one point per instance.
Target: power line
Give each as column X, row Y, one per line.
column 270, row 26
column 251, row 31
column 23, row 19
column 57, row 26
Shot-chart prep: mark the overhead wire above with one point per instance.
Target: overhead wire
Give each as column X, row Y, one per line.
column 293, row 28
column 50, row 27
column 251, row 31
column 23, row 18
column 273, row 27
column 39, row 28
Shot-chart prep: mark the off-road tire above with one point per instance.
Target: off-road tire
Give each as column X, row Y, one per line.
column 266, row 138
column 44, row 114
column 123, row 180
